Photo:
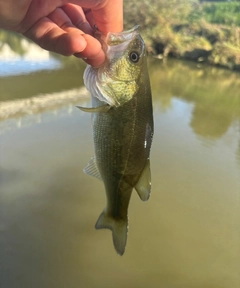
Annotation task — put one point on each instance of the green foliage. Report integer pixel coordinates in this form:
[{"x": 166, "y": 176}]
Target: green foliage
[
  {"x": 222, "y": 13},
  {"x": 13, "y": 40},
  {"x": 183, "y": 29},
  {"x": 148, "y": 13}
]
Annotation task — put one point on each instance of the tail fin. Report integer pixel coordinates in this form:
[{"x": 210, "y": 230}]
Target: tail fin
[{"x": 119, "y": 229}]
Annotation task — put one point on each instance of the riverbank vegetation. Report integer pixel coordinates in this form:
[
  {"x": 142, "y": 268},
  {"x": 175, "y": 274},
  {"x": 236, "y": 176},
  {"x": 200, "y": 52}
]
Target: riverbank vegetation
[{"x": 203, "y": 31}]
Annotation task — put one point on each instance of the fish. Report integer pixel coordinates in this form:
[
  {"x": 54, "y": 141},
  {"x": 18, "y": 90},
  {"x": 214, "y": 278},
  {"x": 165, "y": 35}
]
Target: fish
[{"x": 122, "y": 121}]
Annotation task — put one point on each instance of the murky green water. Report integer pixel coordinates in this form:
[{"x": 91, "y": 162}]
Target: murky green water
[{"x": 188, "y": 233}]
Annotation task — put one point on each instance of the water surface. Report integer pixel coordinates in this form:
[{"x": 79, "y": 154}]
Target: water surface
[{"x": 186, "y": 235}]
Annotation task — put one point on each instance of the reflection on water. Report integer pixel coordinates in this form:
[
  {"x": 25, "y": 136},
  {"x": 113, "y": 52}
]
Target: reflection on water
[
  {"x": 22, "y": 65},
  {"x": 43, "y": 114},
  {"x": 19, "y": 56},
  {"x": 40, "y": 103},
  {"x": 186, "y": 235},
  {"x": 214, "y": 93},
  {"x": 41, "y": 82}
]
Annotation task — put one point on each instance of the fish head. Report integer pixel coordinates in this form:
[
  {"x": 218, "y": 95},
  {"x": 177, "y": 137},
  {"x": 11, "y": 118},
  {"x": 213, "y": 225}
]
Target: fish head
[
  {"x": 125, "y": 55},
  {"x": 118, "y": 79}
]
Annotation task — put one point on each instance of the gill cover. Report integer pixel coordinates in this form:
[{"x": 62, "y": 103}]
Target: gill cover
[{"x": 115, "y": 82}]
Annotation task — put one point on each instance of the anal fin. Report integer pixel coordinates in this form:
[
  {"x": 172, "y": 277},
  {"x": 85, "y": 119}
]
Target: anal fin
[
  {"x": 143, "y": 187},
  {"x": 92, "y": 170}
]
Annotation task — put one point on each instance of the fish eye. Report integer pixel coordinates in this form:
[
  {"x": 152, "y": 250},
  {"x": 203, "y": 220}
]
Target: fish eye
[{"x": 134, "y": 56}]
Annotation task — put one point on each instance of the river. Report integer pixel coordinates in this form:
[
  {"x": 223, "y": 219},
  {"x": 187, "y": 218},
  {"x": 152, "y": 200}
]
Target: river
[{"x": 186, "y": 236}]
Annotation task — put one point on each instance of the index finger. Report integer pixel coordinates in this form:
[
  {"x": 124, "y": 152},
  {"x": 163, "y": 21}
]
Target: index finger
[{"x": 106, "y": 14}]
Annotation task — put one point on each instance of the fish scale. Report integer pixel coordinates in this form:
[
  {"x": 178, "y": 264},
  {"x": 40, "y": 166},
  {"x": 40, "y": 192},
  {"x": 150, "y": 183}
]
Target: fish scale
[{"x": 122, "y": 128}]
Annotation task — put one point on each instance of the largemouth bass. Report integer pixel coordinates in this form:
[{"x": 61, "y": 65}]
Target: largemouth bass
[{"x": 122, "y": 128}]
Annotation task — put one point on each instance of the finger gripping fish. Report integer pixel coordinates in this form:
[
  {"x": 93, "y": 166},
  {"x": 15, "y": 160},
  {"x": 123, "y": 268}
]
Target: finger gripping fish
[{"x": 122, "y": 128}]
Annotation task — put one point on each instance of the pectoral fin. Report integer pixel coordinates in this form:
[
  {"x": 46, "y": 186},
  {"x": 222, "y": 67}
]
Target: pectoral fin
[
  {"x": 100, "y": 109},
  {"x": 143, "y": 187},
  {"x": 92, "y": 169}
]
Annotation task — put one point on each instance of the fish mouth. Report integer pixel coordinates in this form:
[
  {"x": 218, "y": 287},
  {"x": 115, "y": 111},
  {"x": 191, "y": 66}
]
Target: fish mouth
[
  {"x": 117, "y": 43},
  {"x": 115, "y": 38}
]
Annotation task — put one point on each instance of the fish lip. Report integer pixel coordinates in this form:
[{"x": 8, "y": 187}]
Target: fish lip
[
  {"x": 115, "y": 38},
  {"x": 115, "y": 41}
]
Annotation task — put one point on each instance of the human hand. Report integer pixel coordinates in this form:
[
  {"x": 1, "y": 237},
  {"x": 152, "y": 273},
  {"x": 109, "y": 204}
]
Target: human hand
[{"x": 64, "y": 27}]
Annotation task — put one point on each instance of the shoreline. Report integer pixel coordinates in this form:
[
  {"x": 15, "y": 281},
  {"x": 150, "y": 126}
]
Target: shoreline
[{"x": 41, "y": 103}]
